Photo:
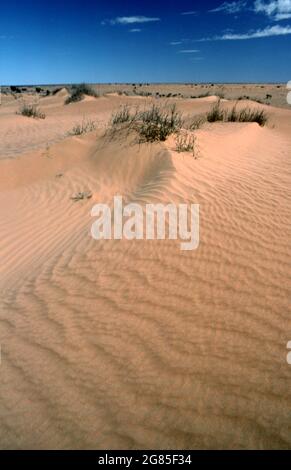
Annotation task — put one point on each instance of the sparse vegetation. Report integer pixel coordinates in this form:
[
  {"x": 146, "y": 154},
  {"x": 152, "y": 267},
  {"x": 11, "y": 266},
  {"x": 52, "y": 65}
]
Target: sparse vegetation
[
  {"x": 197, "y": 122},
  {"x": 82, "y": 195},
  {"x": 234, "y": 115},
  {"x": 186, "y": 142},
  {"x": 123, "y": 115},
  {"x": 79, "y": 91},
  {"x": 141, "y": 92},
  {"x": 247, "y": 115},
  {"x": 246, "y": 97},
  {"x": 216, "y": 113},
  {"x": 153, "y": 124},
  {"x": 31, "y": 110},
  {"x": 87, "y": 125},
  {"x": 156, "y": 124}
]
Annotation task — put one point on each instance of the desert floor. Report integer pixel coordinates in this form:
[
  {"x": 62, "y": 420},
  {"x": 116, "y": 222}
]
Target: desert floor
[{"x": 137, "y": 344}]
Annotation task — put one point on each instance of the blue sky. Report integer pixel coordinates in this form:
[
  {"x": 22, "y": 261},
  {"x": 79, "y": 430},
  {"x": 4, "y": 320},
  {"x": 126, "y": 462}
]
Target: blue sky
[{"x": 171, "y": 41}]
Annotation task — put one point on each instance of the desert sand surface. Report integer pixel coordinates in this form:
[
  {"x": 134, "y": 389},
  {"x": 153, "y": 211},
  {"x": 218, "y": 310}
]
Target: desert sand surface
[{"x": 119, "y": 344}]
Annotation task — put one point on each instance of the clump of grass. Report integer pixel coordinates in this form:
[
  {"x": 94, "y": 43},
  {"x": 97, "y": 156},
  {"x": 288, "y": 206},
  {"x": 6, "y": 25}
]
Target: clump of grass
[
  {"x": 156, "y": 124},
  {"x": 82, "y": 195},
  {"x": 186, "y": 142},
  {"x": 234, "y": 115},
  {"x": 153, "y": 124},
  {"x": 216, "y": 113},
  {"x": 79, "y": 91},
  {"x": 31, "y": 110},
  {"x": 197, "y": 123},
  {"x": 247, "y": 115},
  {"x": 87, "y": 125},
  {"x": 123, "y": 115}
]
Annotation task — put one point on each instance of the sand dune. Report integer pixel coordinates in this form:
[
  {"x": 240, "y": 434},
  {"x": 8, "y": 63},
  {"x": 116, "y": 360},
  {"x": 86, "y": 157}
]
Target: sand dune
[{"x": 136, "y": 344}]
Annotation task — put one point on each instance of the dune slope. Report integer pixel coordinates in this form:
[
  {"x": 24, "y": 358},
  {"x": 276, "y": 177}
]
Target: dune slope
[{"x": 137, "y": 344}]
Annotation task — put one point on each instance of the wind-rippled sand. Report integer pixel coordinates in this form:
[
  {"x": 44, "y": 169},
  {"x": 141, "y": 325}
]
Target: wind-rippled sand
[{"x": 136, "y": 344}]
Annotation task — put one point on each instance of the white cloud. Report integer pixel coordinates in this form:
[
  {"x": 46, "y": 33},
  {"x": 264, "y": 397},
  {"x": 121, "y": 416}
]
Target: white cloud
[
  {"x": 135, "y": 30},
  {"x": 261, "y": 33},
  {"x": 175, "y": 43},
  {"x": 230, "y": 7},
  {"x": 132, "y": 20},
  {"x": 188, "y": 51},
  {"x": 282, "y": 16},
  {"x": 189, "y": 13},
  {"x": 276, "y": 9}
]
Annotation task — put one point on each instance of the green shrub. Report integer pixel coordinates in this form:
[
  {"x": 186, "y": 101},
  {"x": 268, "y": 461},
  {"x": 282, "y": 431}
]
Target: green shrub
[
  {"x": 234, "y": 115},
  {"x": 15, "y": 89},
  {"x": 216, "y": 113},
  {"x": 156, "y": 124},
  {"x": 248, "y": 115},
  {"x": 153, "y": 124},
  {"x": 78, "y": 92}
]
